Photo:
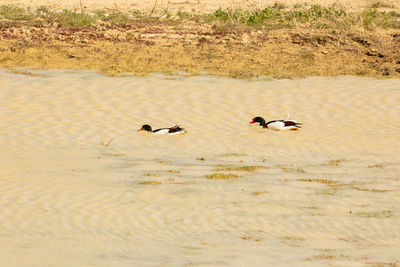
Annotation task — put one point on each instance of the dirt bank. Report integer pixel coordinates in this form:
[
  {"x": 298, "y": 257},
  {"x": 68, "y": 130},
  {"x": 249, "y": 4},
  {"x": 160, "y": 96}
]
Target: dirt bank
[{"x": 221, "y": 43}]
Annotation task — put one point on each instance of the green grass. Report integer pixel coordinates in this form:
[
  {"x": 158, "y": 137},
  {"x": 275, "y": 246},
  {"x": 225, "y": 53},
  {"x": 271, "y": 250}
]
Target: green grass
[{"x": 276, "y": 16}]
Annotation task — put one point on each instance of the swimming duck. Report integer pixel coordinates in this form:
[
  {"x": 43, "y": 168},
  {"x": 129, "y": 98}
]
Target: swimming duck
[
  {"x": 163, "y": 131},
  {"x": 277, "y": 125}
]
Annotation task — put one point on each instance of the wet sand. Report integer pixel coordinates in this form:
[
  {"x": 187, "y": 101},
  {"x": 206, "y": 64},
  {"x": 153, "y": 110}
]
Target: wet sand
[{"x": 80, "y": 186}]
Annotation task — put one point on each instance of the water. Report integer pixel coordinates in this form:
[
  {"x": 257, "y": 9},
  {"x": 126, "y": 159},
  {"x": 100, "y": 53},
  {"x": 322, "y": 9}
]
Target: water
[{"x": 80, "y": 186}]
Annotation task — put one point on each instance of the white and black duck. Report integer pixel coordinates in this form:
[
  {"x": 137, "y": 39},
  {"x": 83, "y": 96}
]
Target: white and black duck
[
  {"x": 164, "y": 131},
  {"x": 277, "y": 125}
]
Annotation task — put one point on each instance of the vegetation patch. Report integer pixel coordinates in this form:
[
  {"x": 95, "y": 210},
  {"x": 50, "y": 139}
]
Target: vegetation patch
[
  {"x": 150, "y": 182},
  {"x": 220, "y": 176},
  {"x": 259, "y": 193},
  {"x": 371, "y": 189},
  {"x": 375, "y": 214},
  {"x": 292, "y": 169},
  {"x": 276, "y": 16},
  {"x": 239, "y": 168},
  {"x": 335, "y": 162},
  {"x": 233, "y": 155},
  {"x": 151, "y": 174},
  {"x": 174, "y": 171},
  {"x": 321, "y": 181},
  {"x": 379, "y": 165},
  {"x": 315, "y": 16},
  {"x": 335, "y": 184}
]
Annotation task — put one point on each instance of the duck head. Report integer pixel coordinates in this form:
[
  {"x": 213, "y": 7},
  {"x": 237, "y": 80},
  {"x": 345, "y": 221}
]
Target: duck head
[
  {"x": 146, "y": 128},
  {"x": 259, "y": 120}
]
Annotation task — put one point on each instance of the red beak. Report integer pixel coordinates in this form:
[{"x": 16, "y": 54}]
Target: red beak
[
  {"x": 139, "y": 130},
  {"x": 252, "y": 122}
]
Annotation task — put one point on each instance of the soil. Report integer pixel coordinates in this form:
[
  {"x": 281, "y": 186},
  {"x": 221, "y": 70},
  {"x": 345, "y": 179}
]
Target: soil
[{"x": 243, "y": 52}]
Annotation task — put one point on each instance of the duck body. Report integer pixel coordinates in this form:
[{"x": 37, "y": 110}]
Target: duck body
[
  {"x": 277, "y": 125},
  {"x": 174, "y": 130}
]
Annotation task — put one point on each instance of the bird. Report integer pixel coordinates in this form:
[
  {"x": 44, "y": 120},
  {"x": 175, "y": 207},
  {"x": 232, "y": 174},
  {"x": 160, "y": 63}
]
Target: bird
[
  {"x": 277, "y": 125},
  {"x": 174, "y": 130}
]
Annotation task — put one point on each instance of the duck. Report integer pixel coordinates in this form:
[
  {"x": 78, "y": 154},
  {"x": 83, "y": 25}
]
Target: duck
[
  {"x": 277, "y": 125},
  {"x": 174, "y": 130}
]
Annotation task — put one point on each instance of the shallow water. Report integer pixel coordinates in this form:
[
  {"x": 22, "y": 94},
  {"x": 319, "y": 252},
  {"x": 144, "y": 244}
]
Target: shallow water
[{"x": 80, "y": 186}]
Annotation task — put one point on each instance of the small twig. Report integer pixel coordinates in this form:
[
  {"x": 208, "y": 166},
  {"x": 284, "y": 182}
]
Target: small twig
[
  {"x": 80, "y": 2},
  {"x": 109, "y": 142},
  {"x": 165, "y": 10},
  {"x": 106, "y": 144},
  {"x": 154, "y": 7}
]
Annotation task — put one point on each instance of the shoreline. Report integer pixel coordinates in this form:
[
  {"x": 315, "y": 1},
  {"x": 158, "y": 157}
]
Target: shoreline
[{"x": 222, "y": 46}]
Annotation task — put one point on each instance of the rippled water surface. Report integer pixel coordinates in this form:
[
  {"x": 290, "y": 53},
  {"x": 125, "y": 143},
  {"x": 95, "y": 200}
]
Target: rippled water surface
[{"x": 80, "y": 186}]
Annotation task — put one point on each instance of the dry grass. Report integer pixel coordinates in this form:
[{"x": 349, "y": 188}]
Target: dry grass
[{"x": 228, "y": 20}]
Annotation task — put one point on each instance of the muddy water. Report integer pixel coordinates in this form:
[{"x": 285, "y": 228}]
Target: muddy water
[{"x": 80, "y": 186}]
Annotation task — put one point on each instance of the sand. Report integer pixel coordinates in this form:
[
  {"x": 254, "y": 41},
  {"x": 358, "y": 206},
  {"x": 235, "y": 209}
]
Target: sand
[{"x": 79, "y": 186}]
